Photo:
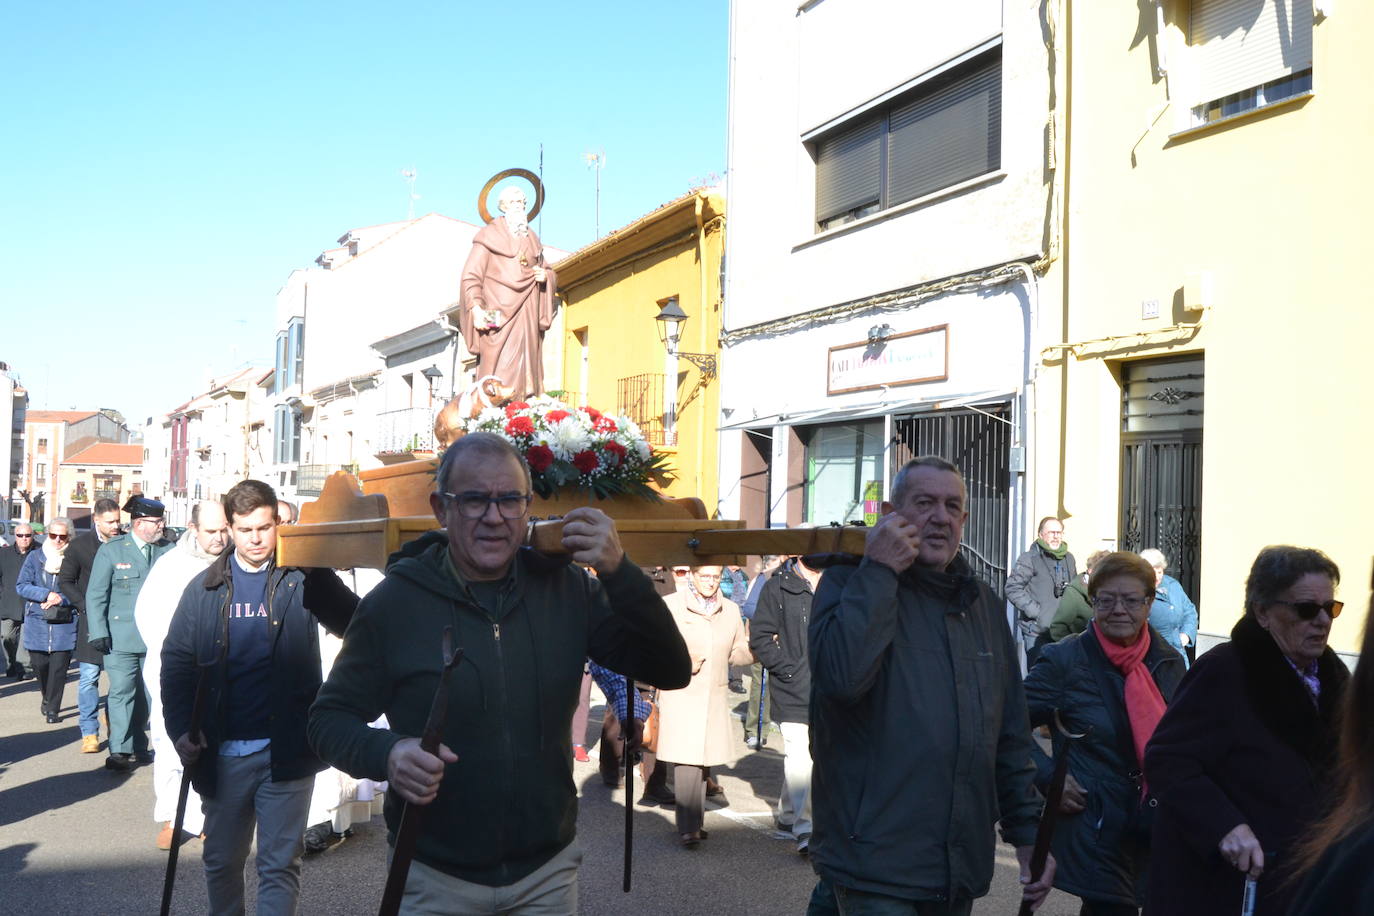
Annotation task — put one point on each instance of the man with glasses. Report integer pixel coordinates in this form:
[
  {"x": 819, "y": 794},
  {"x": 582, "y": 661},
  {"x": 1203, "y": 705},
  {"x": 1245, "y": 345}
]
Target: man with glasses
[
  {"x": 73, "y": 579},
  {"x": 121, "y": 566},
  {"x": 498, "y": 832},
  {"x": 12, "y": 559}
]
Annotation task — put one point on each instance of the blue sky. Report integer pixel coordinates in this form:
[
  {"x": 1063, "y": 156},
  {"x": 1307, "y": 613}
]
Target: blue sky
[{"x": 166, "y": 165}]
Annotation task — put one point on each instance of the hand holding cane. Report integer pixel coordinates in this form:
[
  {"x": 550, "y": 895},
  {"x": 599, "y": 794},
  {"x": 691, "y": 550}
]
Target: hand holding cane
[
  {"x": 627, "y": 732},
  {"x": 410, "y": 814},
  {"x": 1040, "y": 853},
  {"x": 197, "y": 715}
]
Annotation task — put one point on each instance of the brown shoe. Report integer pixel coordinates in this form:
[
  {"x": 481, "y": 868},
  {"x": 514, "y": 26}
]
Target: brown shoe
[
  {"x": 90, "y": 744},
  {"x": 164, "y": 837}
]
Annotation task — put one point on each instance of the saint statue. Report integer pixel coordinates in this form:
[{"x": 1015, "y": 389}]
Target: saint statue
[{"x": 507, "y": 300}]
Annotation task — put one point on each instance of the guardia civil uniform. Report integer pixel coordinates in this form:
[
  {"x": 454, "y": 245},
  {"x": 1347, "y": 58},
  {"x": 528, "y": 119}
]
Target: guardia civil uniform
[{"x": 120, "y": 568}]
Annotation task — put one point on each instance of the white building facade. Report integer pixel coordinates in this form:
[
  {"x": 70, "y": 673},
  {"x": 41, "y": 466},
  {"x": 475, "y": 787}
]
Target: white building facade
[{"x": 890, "y": 220}]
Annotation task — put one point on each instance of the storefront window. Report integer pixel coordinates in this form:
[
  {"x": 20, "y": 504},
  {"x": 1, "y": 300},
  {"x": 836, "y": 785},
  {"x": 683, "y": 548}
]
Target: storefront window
[{"x": 840, "y": 460}]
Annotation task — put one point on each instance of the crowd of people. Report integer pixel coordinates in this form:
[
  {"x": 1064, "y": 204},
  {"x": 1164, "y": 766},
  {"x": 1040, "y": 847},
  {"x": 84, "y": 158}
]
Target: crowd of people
[{"x": 915, "y": 712}]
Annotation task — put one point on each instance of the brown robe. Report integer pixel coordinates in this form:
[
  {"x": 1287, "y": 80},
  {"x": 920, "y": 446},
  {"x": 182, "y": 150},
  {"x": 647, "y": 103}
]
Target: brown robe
[{"x": 494, "y": 279}]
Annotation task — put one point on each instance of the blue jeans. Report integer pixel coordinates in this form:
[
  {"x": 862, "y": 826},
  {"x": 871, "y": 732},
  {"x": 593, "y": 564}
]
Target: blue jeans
[
  {"x": 88, "y": 699},
  {"x": 829, "y": 899}
]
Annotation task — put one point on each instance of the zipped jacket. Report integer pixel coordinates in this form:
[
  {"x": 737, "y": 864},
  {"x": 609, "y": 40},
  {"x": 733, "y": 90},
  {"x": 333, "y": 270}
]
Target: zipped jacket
[
  {"x": 509, "y": 804},
  {"x": 34, "y": 585},
  {"x": 1103, "y": 851},
  {"x": 198, "y": 639},
  {"x": 919, "y": 738},
  {"x": 777, "y": 636}
]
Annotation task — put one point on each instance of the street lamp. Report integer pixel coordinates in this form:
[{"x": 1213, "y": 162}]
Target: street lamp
[
  {"x": 432, "y": 374},
  {"x": 670, "y": 317}
]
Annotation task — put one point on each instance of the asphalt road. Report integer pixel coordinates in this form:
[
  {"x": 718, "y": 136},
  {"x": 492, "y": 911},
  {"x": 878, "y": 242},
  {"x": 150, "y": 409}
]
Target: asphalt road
[{"x": 78, "y": 839}]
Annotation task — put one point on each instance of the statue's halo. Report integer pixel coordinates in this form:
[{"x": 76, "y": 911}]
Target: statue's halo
[{"x": 511, "y": 173}]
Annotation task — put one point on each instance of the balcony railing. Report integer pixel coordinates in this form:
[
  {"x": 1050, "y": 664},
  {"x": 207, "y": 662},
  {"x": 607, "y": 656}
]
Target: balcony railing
[
  {"x": 310, "y": 478},
  {"x": 640, "y": 397},
  {"x": 405, "y": 431}
]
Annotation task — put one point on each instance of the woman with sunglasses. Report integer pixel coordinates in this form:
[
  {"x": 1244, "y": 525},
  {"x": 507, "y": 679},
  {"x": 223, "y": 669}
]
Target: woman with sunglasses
[
  {"x": 1242, "y": 762},
  {"x": 49, "y": 618}
]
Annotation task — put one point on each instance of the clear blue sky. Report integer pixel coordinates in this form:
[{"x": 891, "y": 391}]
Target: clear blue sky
[{"x": 166, "y": 165}]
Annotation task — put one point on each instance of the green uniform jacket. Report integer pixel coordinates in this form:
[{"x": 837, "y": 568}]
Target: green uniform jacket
[
  {"x": 1073, "y": 613},
  {"x": 509, "y": 804},
  {"x": 117, "y": 574}
]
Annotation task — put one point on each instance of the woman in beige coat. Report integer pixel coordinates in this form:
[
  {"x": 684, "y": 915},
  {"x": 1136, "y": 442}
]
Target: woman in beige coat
[{"x": 694, "y": 723}]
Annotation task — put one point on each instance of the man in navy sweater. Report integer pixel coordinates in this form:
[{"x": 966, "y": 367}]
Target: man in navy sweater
[{"x": 249, "y": 627}]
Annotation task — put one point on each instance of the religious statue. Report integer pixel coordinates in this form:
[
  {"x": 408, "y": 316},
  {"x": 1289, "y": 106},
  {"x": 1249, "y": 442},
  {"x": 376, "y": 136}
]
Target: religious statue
[{"x": 507, "y": 300}]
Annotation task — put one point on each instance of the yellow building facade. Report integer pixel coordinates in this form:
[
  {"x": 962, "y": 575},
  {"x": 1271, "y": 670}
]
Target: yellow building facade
[
  {"x": 614, "y": 359},
  {"x": 1206, "y": 392}
]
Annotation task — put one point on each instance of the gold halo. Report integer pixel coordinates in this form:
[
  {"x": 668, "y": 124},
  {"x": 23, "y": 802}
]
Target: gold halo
[{"x": 511, "y": 173}]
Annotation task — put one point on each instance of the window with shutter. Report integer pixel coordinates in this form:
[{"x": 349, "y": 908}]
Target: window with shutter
[
  {"x": 943, "y": 131},
  {"x": 1248, "y": 53}
]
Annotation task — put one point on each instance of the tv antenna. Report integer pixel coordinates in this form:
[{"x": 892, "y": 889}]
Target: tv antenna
[
  {"x": 596, "y": 162},
  {"x": 409, "y": 175}
]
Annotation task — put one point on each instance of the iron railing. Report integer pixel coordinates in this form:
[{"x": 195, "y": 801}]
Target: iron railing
[
  {"x": 640, "y": 397},
  {"x": 310, "y": 478},
  {"x": 410, "y": 429}
]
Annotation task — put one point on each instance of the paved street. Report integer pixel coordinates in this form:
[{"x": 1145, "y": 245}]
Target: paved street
[{"x": 75, "y": 838}]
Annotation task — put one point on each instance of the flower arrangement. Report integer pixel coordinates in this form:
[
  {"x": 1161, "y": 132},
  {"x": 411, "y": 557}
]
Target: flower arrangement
[{"x": 577, "y": 447}]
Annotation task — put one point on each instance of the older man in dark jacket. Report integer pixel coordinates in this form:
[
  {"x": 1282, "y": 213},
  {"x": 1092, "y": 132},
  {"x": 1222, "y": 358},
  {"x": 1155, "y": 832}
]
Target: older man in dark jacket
[
  {"x": 918, "y": 722},
  {"x": 777, "y": 636},
  {"x": 248, "y": 628}
]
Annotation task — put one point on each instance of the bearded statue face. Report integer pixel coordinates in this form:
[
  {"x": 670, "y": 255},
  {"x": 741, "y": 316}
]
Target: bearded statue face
[{"x": 512, "y": 206}]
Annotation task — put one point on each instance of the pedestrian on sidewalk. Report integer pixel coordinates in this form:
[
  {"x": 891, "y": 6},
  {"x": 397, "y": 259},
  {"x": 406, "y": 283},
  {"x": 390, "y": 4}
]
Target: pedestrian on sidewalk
[
  {"x": 753, "y": 738},
  {"x": 1041, "y": 576},
  {"x": 254, "y": 622},
  {"x": 12, "y": 605},
  {"x": 73, "y": 579},
  {"x": 49, "y": 618},
  {"x": 205, "y": 539},
  {"x": 614, "y": 728},
  {"x": 695, "y": 726},
  {"x": 778, "y": 639},
  {"x": 121, "y": 567}
]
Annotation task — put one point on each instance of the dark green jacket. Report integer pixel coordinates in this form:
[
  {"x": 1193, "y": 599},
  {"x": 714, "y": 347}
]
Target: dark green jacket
[
  {"x": 1102, "y": 852},
  {"x": 509, "y": 804},
  {"x": 1074, "y": 611},
  {"x": 919, "y": 738},
  {"x": 117, "y": 576}
]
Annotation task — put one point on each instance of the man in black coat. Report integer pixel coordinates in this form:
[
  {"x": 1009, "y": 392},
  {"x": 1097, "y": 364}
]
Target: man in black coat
[
  {"x": 11, "y": 605},
  {"x": 777, "y": 636},
  {"x": 72, "y": 579}
]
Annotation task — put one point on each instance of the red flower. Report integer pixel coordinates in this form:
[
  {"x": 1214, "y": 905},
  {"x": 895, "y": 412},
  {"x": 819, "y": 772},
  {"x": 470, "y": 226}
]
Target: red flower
[
  {"x": 604, "y": 424},
  {"x": 514, "y": 406},
  {"x": 586, "y": 462},
  {"x": 553, "y": 416},
  {"x": 616, "y": 449},
  {"x": 591, "y": 412},
  {"x": 520, "y": 426},
  {"x": 539, "y": 458}
]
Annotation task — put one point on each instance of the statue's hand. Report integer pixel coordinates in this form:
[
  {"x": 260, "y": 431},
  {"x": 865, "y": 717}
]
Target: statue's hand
[{"x": 539, "y": 274}]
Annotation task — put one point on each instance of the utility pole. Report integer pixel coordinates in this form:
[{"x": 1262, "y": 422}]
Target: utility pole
[
  {"x": 596, "y": 162},
  {"x": 409, "y": 175}
]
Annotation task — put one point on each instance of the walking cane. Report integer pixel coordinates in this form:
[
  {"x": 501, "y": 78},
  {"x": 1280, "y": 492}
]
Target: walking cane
[
  {"x": 197, "y": 714},
  {"x": 1247, "y": 900},
  {"x": 763, "y": 699},
  {"x": 1041, "y": 851},
  {"x": 629, "y": 777},
  {"x": 410, "y": 814}
]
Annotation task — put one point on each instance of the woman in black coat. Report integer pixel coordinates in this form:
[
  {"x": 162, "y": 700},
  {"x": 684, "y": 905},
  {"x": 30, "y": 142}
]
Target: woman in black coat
[
  {"x": 1241, "y": 762},
  {"x": 1101, "y": 843}
]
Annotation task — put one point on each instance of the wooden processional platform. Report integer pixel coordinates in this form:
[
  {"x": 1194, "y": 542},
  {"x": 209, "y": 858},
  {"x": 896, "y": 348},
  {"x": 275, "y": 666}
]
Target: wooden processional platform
[{"x": 359, "y": 522}]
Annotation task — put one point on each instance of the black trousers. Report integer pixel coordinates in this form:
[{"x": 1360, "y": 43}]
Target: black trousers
[{"x": 50, "y": 669}]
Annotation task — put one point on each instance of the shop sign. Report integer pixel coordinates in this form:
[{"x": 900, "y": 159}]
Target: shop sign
[
  {"x": 873, "y": 502},
  {"x": 902, "y": 359}
]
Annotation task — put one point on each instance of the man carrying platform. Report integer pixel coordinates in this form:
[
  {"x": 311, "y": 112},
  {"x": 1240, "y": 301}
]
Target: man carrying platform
[{"x": 499, "y": 832}]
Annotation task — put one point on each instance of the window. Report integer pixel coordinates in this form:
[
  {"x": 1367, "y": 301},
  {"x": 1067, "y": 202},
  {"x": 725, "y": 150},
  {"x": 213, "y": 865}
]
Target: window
[
  {"x": 295, "y": 352},
  {"x": 286, "y": 445},
  {"x": 946, "y": 130},
  {"x": 42, "y": 445},
  {"x": 1248, "y": 54},
  {"x": 279, "y": 376},
  {"x": 840, "y": 460}
]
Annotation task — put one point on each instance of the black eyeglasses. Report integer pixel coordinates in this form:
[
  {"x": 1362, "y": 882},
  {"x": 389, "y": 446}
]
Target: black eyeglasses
[
  {"x": 474, "y": 505},
  {"x": 1129, "y": 602},
  {"x": 18, "y": 535},
  {"x": 58, "y": 537},
  {"x": 1308, "y": 610}
]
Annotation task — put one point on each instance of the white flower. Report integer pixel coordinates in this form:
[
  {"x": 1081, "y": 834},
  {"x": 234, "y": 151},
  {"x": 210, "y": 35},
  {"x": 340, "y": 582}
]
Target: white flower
[{"x": 567, "y": 437}]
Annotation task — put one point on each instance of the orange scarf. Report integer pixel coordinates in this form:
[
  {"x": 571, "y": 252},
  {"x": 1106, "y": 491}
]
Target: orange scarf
[{"x": 1144, "y": 704}]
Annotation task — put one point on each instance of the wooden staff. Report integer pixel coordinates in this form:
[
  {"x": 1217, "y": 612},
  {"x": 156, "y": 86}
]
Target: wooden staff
[
  {"x": 1045, "y": 832},
  {"x": 626, "y": 732},
  {"x": 409, "y": 828},
  {"x": 197, "y": 714}
]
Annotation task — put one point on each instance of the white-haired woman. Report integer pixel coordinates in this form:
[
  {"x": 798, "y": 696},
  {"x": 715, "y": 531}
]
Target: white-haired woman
[
  {"x": 49, "y": 618},
  {"x": 1172, "y": 615}
]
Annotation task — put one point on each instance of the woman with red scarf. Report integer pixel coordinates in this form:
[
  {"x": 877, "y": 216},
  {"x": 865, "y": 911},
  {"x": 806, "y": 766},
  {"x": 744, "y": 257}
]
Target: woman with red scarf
[{"x": 1112, "y": 682}]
